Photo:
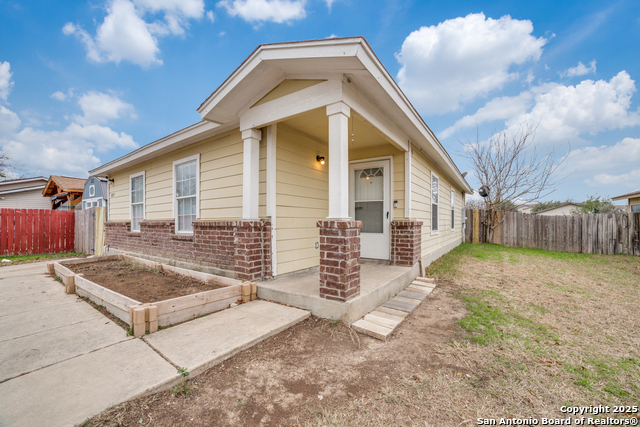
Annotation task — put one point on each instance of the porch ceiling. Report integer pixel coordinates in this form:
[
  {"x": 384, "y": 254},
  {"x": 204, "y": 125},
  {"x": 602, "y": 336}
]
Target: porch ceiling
[{"x": 316, "y": 125}]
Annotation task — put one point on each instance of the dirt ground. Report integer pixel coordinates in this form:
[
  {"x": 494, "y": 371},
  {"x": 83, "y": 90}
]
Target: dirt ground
[
  {"x": 505, "y": 334},
  {"x": 140, "y": 282}
]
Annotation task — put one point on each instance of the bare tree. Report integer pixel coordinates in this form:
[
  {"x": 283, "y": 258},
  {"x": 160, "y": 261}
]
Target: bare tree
[{"x": 514, "y": 170}]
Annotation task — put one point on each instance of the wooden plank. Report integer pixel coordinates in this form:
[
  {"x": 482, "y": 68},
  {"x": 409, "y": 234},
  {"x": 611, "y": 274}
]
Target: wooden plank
[
  {"x": 17, "y": 232},
  {"x": 107, "y": 295},
  {"x": 190, "y": 313},
  {"x": 45, "y": 225},
  {"x": 392, "y": 311},
  {"x": 476, "y": 226},
  {"x": 71, "y": 261},
  {"x": 382, "y": 321},
  {"x": 198, "y": 275},
  {"x": 201, "y": 298},
  {"x": 29, "y": 232},
  {"x": 371, "y": 329},
  {"x": 412, "y": 295},
  {"x": 4, "y": 233},
  {"x": 389, "y": 316},
  {"x": 99, "y": 230},
  {"x": 119, "y": 313},
  {"x": 397, "y": 304}
]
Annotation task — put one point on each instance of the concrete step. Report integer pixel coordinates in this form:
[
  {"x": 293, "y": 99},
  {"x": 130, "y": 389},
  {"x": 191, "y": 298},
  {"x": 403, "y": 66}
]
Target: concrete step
[{"x": 385, "y": 319}]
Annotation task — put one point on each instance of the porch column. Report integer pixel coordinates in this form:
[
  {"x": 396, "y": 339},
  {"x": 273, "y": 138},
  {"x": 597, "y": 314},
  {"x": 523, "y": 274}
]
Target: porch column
[
  {"x": 250, "y": 173},
  {"x": 338, "y": 160}
]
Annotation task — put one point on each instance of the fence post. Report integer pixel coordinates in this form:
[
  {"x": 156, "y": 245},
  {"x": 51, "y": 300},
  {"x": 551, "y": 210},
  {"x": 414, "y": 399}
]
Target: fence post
[{"x": 476, "y": 226}]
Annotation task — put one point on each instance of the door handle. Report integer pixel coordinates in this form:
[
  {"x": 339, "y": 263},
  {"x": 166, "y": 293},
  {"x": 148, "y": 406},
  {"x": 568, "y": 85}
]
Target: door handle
[{"x": 387, "y": 214}]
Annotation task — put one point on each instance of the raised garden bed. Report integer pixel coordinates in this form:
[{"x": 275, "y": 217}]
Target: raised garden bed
[{"x": 146, "y": 294}]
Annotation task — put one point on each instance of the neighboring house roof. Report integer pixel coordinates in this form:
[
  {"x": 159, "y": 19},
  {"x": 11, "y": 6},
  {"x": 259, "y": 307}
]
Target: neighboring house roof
[
  {"x": 64, "y": 183},
  {"x": 356, "y": 77},
  {"x": 26, "y": 181},
  {"x": 560, "y": 206},
  {"x": 627, "y": 196}
]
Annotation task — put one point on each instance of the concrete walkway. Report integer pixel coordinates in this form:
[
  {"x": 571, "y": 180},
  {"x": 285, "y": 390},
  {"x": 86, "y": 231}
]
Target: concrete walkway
[{"x": 62, "y": 362}]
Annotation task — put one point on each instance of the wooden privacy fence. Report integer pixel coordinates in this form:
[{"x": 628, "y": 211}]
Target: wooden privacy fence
[
  {"x": 608, "y": 234},
  {"x": 35, "y": 231},
  {"x": 89, "y": 226}
]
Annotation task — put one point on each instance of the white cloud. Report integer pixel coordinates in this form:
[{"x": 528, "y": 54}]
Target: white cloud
[
  {"x": 100, "y": 107},
  {"x": 447, "y": 65},
  {"x": 62, "y": 96},
  {"x": 265, "y": 10},
  {"x": 562, "y": 113},
  {"x": 626, "y": 180},
  {"x": 502, "y": 108},
  {"x": 5, "y": 80},
  {"x": 329, "y": 4},
  {"x": 211, "y": 16},
  {"x": 580, "y": 70},
  {"x": 607, "y": 165},
  {"x": 125, "y": 35},
  {"x": 71, "y": 150}
]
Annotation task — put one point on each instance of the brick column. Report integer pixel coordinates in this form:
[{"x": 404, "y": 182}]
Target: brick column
[
  {"x": 253, "y": 249},
  {"x": 339, "y": 259},
  {"x": 406, "y": 242}
]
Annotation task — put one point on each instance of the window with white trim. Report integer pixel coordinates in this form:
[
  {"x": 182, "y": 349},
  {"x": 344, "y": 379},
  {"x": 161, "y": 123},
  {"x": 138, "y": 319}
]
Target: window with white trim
[
  {"x": 453, "y": 209},
  {"x": 186, "y": 178},
  {"x": 435, "y": 189},
  {"x": 136, "y": 192},
  {"x": 92, "y": 190}
]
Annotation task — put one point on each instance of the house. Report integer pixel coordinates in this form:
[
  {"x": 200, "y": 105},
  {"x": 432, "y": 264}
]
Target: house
[
  {"x": 96, "y": 192},
  {"x": 23, "y": 193},
  {"x": 633, "y": 203},
  {"x": 525, "y": 208},
  {"x": 64, "y": 192},
  {"x": 308, "y": 158},
  {"x": 564, "y": 209}
]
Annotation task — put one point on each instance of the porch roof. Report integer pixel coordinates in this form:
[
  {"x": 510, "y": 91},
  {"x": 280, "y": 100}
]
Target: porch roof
[{"x": 348, "y": 66}]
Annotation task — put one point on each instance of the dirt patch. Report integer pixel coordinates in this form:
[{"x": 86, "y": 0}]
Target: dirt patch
[{"x": 139, "y": 282}]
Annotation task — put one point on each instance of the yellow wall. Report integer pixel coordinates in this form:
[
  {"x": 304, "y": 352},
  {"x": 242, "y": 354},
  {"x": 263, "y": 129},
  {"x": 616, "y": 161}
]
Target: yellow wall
[
  {"x": 220, "y": 181},
  {"x": 633, "y": 201},
  {"x": 421, "y": 168},
  {"x": 398, "y": 171},
  {"x": 302, "y": 194}
]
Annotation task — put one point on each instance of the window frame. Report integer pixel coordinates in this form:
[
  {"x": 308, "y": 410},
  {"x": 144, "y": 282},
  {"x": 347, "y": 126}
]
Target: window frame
[
  {"x": 92, "y": 190},
  {"x": 195, "y": 157},
  {"x": 144, "y": 198},
  {"x": 437, "y": 230},
  {"x": 453, "y": 209}
]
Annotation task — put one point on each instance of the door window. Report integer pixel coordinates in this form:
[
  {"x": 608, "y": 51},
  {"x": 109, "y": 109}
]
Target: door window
[{"x": 369, "y": 199}]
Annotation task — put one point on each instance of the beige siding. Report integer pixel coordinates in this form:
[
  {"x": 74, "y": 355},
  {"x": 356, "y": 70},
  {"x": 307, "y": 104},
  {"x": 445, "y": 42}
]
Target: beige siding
[
  {"x": 398, "y": 171},
  {"x": 31, "y": 199},
  {"x": 302, "y": 192},
  {"x": 220, "y": 181},
  {"x": 421, "y": 168},
  {"x": 632, "y": 202}
]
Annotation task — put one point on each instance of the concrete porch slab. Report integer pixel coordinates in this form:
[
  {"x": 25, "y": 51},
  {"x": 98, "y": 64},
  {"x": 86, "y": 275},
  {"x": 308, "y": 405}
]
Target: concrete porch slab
[
  {"x": 378, "y": 283},
  {"x": 202, "y": 343}
]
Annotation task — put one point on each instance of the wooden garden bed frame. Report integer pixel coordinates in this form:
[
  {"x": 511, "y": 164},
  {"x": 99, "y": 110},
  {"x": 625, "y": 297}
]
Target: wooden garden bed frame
[{"x": 147, "y": 317}]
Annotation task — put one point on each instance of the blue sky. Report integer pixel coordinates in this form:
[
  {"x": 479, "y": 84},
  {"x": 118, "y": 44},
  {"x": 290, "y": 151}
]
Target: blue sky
[{"x": 84, "y": 82}]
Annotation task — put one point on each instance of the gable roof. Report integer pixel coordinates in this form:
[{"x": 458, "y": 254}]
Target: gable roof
[
  {"x": 66, "y": 184},
  {"x": 30, "y": 181},
  {"x": 560, "y": 206},
  {"x": 349, "y": 59},
  {"x": 627, "y": 196}
]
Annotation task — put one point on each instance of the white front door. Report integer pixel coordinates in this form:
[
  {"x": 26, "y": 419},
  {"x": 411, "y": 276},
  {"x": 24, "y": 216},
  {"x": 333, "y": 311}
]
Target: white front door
[{"x": 369, "y": 202}]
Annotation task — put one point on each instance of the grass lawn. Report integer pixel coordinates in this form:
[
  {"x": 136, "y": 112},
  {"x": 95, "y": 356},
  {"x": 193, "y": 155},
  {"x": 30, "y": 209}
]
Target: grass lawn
[
  {"x": 507, "y": 333},
  {"x": 18, "y": 259}
]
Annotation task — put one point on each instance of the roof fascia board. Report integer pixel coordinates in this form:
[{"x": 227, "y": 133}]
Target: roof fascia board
[
  {"x": 265, "y": 88},
  {"x": 292, "y": 105},
  {"x": 19, "y": 181},
  {"x": 627, "y": 196},
  {"x": 369, "y": 110},
  {"x": 377, "y": 70},
  {"x": 312, "y": 49},
  {"x": 185, "y": 136},
  {"x": 18, "y": 190}
]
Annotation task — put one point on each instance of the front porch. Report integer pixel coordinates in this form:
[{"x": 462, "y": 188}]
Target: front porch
[{"x": 378, "y": 283}]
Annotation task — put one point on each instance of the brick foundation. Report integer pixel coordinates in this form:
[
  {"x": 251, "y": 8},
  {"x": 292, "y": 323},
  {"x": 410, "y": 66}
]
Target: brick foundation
[
  {"x": 339, "y": 259},
  {"x": 406, "y": 242},
  {"x": 242, "y": 248}
]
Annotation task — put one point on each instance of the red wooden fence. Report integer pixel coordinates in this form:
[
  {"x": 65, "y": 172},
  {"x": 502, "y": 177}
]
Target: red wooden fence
[{"x": 36, "y": 231}]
